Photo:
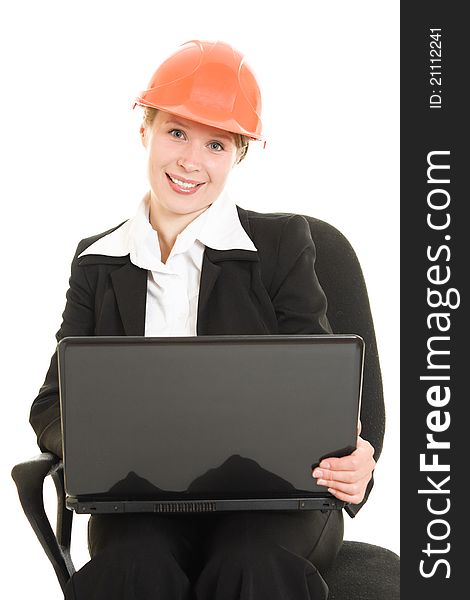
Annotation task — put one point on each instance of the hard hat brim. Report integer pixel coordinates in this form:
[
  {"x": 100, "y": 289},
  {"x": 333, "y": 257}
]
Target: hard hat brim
[{"x": 193, "y": 113}]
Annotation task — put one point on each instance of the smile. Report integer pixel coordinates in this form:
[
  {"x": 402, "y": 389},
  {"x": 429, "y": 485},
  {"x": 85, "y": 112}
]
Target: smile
[
  {"x": 183, "y": 187},
  {"x": 183, "y": 183}
]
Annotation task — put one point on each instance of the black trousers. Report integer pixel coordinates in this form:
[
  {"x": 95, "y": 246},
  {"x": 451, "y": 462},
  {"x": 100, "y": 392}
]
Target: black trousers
[{"x": 232, "y": 556}]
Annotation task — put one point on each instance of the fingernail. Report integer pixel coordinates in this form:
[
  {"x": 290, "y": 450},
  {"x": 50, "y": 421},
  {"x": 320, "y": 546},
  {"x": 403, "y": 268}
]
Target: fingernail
[
  {"x": 318, "y": 473},
  {"x": 321, "y": 482},
  {"x": 325, "y": 465}
]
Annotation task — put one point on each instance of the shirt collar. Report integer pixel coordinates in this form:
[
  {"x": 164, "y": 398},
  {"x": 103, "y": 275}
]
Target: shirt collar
[{"x": 218, "y": 227}]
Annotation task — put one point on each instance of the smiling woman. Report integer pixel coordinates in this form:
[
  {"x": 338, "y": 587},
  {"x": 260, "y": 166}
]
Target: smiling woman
[
  {"x": 191, "y": 262},
  {"x": 188, "y": 166}
]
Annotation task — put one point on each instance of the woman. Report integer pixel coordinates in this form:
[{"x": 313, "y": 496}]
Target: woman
[{"x": 192, "y": 263}]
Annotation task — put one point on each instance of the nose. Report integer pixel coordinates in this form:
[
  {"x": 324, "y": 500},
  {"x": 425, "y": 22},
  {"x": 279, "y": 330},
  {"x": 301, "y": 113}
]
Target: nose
[{"x": 190, "y": 158}]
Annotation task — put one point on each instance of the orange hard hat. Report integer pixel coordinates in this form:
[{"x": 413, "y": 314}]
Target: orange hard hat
[{"x": 210, "y": 83}]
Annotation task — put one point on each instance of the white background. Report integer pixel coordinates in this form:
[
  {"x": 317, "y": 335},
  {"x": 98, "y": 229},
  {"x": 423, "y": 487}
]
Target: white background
[{"x": 73, "y": 166}]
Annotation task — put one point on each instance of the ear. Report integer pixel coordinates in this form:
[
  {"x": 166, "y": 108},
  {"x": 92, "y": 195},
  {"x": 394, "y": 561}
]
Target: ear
[{"x": 143, "y": 135}]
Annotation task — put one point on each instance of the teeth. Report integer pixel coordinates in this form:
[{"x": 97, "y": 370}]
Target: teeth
[{"x": 183, "y": 184}]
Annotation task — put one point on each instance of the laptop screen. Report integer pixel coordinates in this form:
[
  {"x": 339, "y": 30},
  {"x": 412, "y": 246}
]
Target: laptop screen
[{"x": 197, "y": 416}]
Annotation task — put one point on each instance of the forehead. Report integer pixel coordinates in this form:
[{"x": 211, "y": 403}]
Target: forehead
[{"x": 164, "y": 118}]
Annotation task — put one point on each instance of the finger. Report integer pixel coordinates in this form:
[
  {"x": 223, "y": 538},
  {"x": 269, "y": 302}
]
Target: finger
[
  {"x": 352, "y": 499},
  {"x": 347, "y": 476},
  {"x": 349, "y": 492},
  {"x": 363, "y": 469},
  {"x": 359, "y": 462},
  {"x": 352, "y": 489},
  {"x": 339, "y": 476}
]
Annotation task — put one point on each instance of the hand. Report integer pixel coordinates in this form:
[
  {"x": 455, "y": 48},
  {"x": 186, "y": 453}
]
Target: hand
[{"x": 347, "y": 477}]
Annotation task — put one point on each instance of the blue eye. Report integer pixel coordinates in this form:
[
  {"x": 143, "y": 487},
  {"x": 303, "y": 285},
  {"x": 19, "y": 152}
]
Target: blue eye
[
  {"x": 216, "y": 146},
  {"x": 177, "y": 133}
]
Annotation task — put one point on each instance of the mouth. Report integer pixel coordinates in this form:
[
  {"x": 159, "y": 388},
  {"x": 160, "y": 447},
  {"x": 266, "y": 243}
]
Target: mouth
[{"x": 183, "y": 186}]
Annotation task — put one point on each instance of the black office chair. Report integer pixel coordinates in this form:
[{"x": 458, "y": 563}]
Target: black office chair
[{"x": 361, "y": 571}]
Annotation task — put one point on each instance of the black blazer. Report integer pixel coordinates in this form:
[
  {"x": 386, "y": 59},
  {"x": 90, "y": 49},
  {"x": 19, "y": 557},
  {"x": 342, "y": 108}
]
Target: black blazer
[{"x": 272, "y": 291}]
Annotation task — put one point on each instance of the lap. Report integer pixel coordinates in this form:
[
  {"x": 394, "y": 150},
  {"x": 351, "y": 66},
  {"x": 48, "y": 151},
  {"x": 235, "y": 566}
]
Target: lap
[
  {"x": 147, "y": 555},
  {"x": 313, "y": 535},
  {"x": 106, "y": 531},
  {"x": 180, "y": 536}
]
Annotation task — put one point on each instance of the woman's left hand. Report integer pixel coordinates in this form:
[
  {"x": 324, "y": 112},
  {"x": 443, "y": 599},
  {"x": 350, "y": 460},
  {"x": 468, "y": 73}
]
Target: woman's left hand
[{"x": 347, "y": 477}]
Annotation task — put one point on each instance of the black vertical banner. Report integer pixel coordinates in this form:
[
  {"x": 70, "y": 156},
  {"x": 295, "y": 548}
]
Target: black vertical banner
[{"x": 435, "y": 331}]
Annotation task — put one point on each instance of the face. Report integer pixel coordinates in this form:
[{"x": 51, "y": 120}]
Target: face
[{"x": 188, "y": 163}]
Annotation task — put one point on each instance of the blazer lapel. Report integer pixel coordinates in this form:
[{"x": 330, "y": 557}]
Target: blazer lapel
[
  {"x": 130, "y": 288},
  {"x": 209, "y": 275},
  {"x": 212, "y": 265}
]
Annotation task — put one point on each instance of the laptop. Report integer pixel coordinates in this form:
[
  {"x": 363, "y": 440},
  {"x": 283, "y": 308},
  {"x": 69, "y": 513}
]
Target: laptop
[{"x": 206, "y": 423}]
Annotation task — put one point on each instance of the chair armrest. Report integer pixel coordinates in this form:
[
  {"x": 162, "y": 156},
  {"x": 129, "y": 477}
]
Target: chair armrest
[{"x": 29, "y": 478}]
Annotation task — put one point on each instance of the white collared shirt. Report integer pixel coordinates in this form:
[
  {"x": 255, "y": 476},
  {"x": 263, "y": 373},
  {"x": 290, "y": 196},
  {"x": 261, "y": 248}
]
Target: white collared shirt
[{"x": 173, "y": 287}]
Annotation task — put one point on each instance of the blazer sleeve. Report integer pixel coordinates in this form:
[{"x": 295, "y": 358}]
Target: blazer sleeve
[
  {"x": 77, "y": 319},
  {"x": 298, "y": 299}
]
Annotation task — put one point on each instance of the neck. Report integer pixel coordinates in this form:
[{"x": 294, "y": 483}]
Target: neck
[{"x": 168, "y": 224}]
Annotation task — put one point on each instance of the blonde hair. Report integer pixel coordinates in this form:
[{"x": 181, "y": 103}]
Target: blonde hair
[{"x": 241, "y": 141}]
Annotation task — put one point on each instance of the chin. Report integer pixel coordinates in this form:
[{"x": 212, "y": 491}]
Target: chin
[
  {"x": 187, "y": 205},
  {"x": 186, "y": 210}
]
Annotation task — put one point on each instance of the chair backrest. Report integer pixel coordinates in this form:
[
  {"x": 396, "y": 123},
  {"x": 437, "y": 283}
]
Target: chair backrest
[{"x": 340, "y": 276}]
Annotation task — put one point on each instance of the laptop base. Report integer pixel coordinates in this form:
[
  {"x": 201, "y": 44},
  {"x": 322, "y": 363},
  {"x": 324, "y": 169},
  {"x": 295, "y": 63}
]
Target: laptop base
[{"x": 202, "y": 506}]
